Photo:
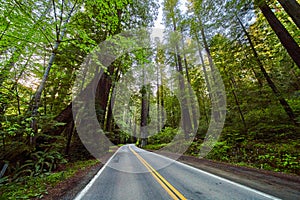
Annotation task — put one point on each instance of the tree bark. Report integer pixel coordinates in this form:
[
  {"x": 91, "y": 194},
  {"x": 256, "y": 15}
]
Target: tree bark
[
  {"x": 69, "y": 133},
  {"x": 284, "y": 36},
  {"x": 194, "y": 115},
  {"x": 215, "y": 96},
  {"x": 144, "y": 116},
  {"x": 186, "y": 120},
  {"x": 292, "y": 8},
  {"x": 162, "y": 104},
  {"x": 158, "y": 98},
  {"x": 108, "y": 116},
  {"x": 66, "y": 115},
  {"x": 204, "y": 68}
]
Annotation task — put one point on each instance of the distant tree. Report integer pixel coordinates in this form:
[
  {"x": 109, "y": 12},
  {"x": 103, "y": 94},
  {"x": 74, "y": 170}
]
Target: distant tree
[{"x": 172, "y": 16}]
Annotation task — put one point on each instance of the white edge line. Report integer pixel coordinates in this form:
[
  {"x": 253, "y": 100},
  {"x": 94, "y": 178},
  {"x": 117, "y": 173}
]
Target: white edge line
[
  {"x": 89, "y": 185},
  {"x": 218, "y": 177}
]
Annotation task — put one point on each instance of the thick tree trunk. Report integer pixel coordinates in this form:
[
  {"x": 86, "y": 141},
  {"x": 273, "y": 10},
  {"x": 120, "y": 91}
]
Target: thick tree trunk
[
  {"x": 276, "y": 92},
  {"x": 134, "y": 129},
  {"x": 102, "y": 96},
  {"x": 108, "y": 124},
  {"x": 66, "y": 115},
  {"x": 144, "y": 116},
  {"x": 108, "y": 115},
  {"x": 285, "y": 38},
  {"x": 69, "y": 133},
  {"x": 292, "y": 8}
]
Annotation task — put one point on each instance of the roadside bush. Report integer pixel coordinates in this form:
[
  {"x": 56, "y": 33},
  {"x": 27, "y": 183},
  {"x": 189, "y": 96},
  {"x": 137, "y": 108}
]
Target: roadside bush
[
  {"x": 40, "y": 162},
  {"x": 165, "y": 136}
]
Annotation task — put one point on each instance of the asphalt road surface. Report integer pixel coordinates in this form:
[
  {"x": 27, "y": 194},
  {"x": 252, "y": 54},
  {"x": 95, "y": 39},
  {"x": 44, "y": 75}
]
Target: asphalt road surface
[{"x": 133, "y": 173}]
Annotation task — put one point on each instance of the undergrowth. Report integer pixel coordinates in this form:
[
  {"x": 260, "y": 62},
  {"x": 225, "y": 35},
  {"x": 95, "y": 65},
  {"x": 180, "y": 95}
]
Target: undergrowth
[{"x": 36, "y": 186}]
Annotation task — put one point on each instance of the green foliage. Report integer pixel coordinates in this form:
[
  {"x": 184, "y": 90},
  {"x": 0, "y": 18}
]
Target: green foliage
[
  {"x": 154, "y": 146},
  {"x": 163, "y": 137},
  {"x": 41, "y": 162},
  {"x": 35, "y": 187},
  {"x": 194, "y": 148},
  {"x": 220, "y": 151},
  {"x": 278, "y": 153}
]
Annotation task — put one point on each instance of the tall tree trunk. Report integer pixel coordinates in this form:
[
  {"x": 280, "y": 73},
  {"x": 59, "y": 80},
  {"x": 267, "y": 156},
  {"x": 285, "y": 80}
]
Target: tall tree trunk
[
  {"x": 194, "y": 115},
  {"x": 215, "y": 98},
  {"x": 276, "y": 92},
  {"x": 204, "y": 108},
  {"x": 37, "y": 96},
  {"x": 186, "y": 120},
  {"x": 69, "y": 132},
  {"x": 207, "y": 82},
  {"x": 109, "y": 121},
  {"x": 162, "y": 105},
  {"x": 158, "y": 98},
  {"x": 233, "y": 87},
  {"x": 292, "y": 8},
  {"x": 160, "y": 89},
  {"x": 144, "y": 114},
  {"x": 284, "y": 36},
  {"x": 102, "y": 98},
  {"x": 203, "y": 67}
]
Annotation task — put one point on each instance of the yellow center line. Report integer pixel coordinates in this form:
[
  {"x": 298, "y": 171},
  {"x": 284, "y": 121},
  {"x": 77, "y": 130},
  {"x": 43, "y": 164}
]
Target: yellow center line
[{"x": 173, "y": 192}]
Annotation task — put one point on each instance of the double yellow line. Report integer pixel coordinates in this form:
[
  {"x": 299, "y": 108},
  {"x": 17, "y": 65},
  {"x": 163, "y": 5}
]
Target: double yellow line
[{"x": 173, "y": 192}]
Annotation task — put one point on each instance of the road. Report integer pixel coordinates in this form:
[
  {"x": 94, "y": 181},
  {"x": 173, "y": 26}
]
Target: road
[{"x": 133, "y": 173}]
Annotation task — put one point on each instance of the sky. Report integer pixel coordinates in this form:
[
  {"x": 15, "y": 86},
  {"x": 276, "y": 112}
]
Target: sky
[
  {"x": 158, "y": 22},
  {"x": 158, "y": 30}
]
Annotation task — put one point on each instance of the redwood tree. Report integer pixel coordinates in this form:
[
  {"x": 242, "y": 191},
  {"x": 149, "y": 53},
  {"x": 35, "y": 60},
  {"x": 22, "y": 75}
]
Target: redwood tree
[
  {"x": 284, "y": 36},
  {"x": 292, "y": 8}
]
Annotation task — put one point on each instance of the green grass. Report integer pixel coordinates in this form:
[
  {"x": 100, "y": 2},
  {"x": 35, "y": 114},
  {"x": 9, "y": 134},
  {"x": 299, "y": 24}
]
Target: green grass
[{"x": 31, "y": 187}]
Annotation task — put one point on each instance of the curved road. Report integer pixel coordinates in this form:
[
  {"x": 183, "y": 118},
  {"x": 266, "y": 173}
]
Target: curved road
[{"x": 133, "y": 173}]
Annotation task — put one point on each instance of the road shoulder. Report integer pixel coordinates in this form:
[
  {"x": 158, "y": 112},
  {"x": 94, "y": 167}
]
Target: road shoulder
[{"x": 281, "y": 185}]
